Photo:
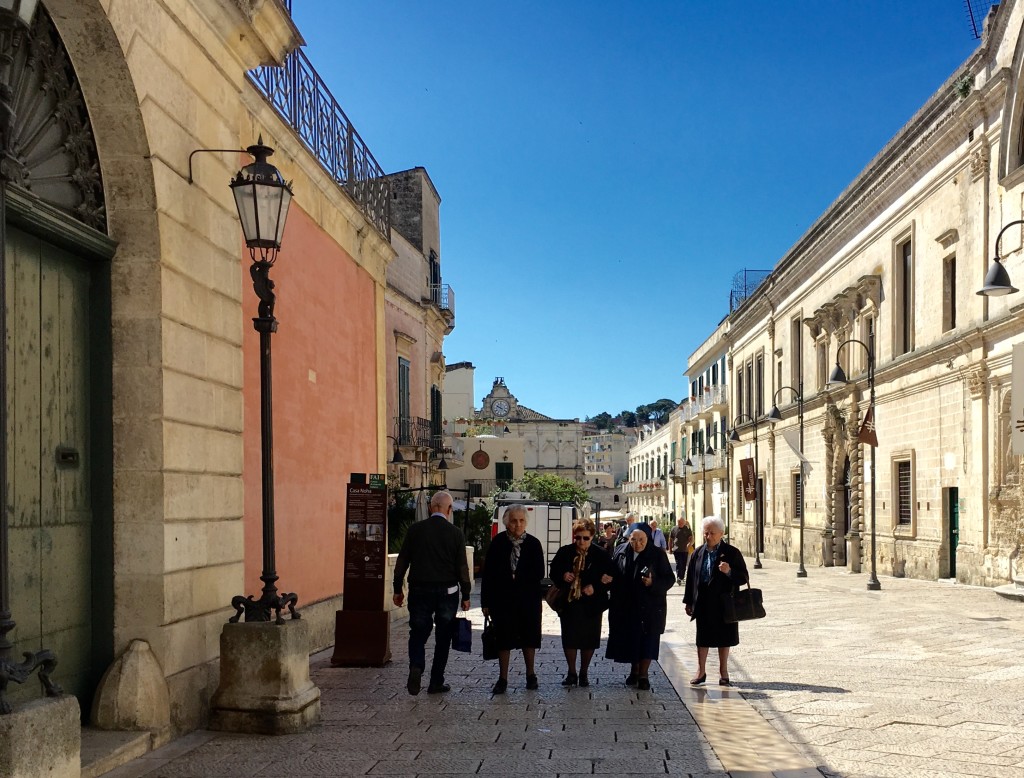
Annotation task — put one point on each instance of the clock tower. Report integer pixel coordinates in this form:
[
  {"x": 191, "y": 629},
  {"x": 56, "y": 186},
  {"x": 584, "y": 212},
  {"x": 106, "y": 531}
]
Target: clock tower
[{"x": 500, "y": 402}]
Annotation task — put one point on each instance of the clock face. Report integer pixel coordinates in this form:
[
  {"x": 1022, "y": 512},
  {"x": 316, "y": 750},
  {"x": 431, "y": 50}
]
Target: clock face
[{"x": 500, "y": 407}]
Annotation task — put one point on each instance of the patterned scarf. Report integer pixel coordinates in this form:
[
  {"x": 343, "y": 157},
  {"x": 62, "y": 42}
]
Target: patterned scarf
[
  {"x": 517, "y": 548},
  {"x": 576, "y": 592}
]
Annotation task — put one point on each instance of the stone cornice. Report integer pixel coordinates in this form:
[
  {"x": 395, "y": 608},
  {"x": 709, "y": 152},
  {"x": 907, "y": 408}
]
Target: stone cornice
[{"x": 268, "y": 33}]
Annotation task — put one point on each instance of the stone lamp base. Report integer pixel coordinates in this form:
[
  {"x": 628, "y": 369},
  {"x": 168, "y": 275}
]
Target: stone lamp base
[{"x": 265, "y": 687}]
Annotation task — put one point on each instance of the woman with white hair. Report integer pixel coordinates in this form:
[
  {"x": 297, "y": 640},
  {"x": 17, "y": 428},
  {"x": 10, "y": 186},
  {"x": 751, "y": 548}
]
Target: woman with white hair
[
  {"x": 716, "y": 569},
  {"x": 510, "y": 593}
]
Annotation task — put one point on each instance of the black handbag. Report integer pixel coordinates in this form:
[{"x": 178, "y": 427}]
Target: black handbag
[
  {"x": 462, "y": 635},
  {"x": 489, "y": 640},
  {"x": 742, "y": 605}
]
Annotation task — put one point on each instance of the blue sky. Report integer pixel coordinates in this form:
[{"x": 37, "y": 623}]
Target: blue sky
[{"x": 606, "y": 168}]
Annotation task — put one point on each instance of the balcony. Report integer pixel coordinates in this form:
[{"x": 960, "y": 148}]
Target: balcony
[
  {"x": 713, "y": 399},
  {"x": 413, "y": 431},
  {"x": 689, "y": 410},
  {"x": 453, "y": 450},
  {"x": 301, "y": 98},
  {"x": 443, "y": 296}
]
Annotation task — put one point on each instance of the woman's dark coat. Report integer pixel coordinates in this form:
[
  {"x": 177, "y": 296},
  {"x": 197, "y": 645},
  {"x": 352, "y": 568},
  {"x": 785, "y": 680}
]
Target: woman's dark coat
[
  {"x": 514, "y": 604},
  {"x": 598, "y": 563},
  {"x": 720, "y": 582},
  {"x": 634, "y": 606}
]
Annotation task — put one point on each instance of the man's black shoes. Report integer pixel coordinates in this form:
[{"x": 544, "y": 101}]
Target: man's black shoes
[
  {"x": 413, "y": 684},
  {"x": 438, "y": 688}
]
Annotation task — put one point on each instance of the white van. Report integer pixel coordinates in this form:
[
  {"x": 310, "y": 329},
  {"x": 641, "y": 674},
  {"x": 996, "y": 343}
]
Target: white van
[{"x": 550, "y": 522}]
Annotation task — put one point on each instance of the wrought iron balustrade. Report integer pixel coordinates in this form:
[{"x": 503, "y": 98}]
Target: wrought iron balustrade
[
  {"x": 302, "y": 99},
  {"x": 413, "y": 431},
  {"x": 443, "y": 297}
]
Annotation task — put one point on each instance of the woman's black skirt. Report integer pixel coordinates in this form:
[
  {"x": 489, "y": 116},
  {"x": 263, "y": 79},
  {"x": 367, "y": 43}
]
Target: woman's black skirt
[
  {"x": 580, "y": 629},
  {"x": 712, "y": 631}
]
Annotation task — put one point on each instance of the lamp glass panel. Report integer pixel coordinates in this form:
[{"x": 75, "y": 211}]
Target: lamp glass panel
[
  {"x": 271, "y": 205},
  {"x": 245, "y": 202},
  {"x": 26, "y": 10}
]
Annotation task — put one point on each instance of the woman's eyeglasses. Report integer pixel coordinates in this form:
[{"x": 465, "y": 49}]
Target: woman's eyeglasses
[{"x": 581, "y": 537}]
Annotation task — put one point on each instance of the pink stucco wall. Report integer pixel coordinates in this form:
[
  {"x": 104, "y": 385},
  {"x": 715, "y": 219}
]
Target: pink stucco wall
[{"x": 325, "y": 421}]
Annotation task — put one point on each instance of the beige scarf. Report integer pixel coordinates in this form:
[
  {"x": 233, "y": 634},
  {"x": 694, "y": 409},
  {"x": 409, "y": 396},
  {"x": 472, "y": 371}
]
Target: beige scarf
[{"x": 576, "y": 592}]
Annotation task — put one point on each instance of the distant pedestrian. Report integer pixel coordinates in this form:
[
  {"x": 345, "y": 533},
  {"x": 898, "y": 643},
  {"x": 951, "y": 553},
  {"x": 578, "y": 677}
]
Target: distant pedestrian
[
  {"x": 582, "y": 570},
  {"x": 636, "y": 620},
  {"x": 657, "y": 536},
  {"x": 680, "y": 544},
  {"x": 608, "y": 541},
  {"x": 435, "y": 550},
  {"x": 510, "y": 594},
  {"x": 716, "y": 569}
]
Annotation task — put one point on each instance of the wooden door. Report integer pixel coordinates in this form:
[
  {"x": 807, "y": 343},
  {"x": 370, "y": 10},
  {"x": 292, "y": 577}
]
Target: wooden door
[{"x": 49, "y": 458}]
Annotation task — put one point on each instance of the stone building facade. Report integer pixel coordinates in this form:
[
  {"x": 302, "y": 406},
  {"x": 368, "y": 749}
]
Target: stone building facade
[
  {"x": 159, "y": 490},
  {"x": 888, "y": 274}
]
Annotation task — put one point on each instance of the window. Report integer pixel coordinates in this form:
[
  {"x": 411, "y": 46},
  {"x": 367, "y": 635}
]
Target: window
[
  {"x": 949, "y": 294},
  {"x": 404, "y": 420},
  {"x": 904, "y": 298},
  {"x": 741, "y": 504},
  {"x": 904, "y": 498},
  {"x": 750, "y": 389},
  {"x": 778, "y": 382},
  {"x": 714, "y": 374},
  {"x": 436, "y": 419},
  {"x": 796, "y": 352},
  {"x": 795, "y": 494},
  {"x": 503, "y": 474},
  {"x": 822, "y": 363},
  {"x": 740, "y": 408},
  {"x": 758, "y": 404}
]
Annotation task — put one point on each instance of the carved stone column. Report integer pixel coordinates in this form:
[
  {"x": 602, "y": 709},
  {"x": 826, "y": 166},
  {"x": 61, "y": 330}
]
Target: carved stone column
[
  {"x": 855, "y": 534},
  {"x": 828, "y": 532}
]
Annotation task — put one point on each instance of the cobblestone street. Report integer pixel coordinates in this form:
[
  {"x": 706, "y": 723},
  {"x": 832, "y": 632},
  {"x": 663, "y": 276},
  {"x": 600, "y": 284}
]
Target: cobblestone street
[{"x": 920, "y": 679}]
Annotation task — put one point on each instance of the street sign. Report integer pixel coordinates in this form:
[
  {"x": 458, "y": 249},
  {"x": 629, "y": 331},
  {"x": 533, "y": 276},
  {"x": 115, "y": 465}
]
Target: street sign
[{"x": 749, "y": 480}]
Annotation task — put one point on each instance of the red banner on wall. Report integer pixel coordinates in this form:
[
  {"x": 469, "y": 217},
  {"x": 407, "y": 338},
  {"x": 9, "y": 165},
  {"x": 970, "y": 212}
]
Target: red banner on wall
[{"x": 749, "y": 480}]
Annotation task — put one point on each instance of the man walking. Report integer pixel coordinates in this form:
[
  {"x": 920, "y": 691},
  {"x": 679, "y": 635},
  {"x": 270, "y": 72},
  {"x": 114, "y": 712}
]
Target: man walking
[
  {"x": 435, "y": 549},
  {"x": 681, "y": 537},
  {"x": 657, "y": 536}
]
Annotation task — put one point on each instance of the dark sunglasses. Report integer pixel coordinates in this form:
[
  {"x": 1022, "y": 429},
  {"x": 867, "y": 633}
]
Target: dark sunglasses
[{"x": 581, "y": 537}]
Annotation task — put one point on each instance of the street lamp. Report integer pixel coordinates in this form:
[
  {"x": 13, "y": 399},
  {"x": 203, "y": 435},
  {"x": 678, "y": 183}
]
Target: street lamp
[
  {"x": 734, "y": 437},
  {"x": 774, "y": 417},
  {"x": 15, "y": 21},
  {"x": 262, "y": 197},
  {"x": 838, "y": 378},
  {"x": 997, "y": 280}
]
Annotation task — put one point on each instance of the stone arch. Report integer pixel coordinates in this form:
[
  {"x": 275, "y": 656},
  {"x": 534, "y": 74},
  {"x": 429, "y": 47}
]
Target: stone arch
[{"x": 129, "y": 191}]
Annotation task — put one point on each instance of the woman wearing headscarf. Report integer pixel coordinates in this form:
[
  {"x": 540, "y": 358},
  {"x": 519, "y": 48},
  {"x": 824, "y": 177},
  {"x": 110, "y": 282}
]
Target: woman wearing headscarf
[
  {"x": 510, "y": 594},
  {"x": 716, "y": 569},
  {"x": 636, "y": 620},
  {"x": 582, "y": 570}
]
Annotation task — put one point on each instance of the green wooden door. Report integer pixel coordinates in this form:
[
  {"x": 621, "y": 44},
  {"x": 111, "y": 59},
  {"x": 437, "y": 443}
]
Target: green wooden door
[{"x": 49, "y": 458}]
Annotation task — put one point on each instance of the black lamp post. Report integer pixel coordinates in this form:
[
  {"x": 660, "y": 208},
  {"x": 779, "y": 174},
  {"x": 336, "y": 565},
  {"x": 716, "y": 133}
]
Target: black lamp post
[
  {"x": 774, "y": 417},
  {"x": 262, "y": 197},
  {"x": 837, "y": 378},
  {"x": 15, "y": 21},
  {"x": 734, "y": 437},
  {"x": 997, "y": 280}
]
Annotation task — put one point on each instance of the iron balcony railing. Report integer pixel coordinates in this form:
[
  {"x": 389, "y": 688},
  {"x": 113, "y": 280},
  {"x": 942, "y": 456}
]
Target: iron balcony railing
[
  {"x": 443, "y": 296},
  {"x": 413, "y": 431},
  {"x": 302, "y": 99}
]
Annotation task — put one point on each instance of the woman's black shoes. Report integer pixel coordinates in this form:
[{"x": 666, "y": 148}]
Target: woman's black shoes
[
  {"x": 531, "y": 682},
  {"x": 698, "y": 681},
  {"x": 643, "y": 683},
  {"x": 584, "y": 681},
  {"x": 631, "y": 679},
  {"x": 571, "y": 680},
  {"x": 500, "y": 686},
  {"x": 724, "y": 682}
]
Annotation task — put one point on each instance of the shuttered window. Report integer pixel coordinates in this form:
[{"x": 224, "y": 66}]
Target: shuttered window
[
  {"x": 798, "y": 487},
  {"x": 903, "y": 482}
]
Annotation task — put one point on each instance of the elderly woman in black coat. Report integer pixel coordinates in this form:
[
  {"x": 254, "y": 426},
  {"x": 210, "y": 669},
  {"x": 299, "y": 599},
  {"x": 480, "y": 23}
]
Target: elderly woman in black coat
[
  {"x": 636, "y": 620},
  {"x": 582, "y": 570},
  {"x": 716, "y": 570},
  {"x": 510, "y": 593}
]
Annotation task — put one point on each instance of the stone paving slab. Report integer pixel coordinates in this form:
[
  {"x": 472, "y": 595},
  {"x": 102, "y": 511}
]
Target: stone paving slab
[{"x": 921, "y": 679}]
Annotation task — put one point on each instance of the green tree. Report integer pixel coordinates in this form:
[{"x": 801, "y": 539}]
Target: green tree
[
  {"x": 549, "y": 488},
  {"x": 603, "y": 420},
  {"x": 628, "y": 418},
  {"x": 659, "y": 410}
]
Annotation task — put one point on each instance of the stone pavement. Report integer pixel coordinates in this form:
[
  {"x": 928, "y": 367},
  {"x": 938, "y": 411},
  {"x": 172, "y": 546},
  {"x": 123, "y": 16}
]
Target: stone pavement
[{"x": 920, "y": 679}]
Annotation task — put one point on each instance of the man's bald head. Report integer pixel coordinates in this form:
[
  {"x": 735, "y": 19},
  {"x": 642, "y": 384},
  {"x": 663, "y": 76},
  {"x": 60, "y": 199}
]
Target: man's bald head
[{"x": 441, "y": 502}]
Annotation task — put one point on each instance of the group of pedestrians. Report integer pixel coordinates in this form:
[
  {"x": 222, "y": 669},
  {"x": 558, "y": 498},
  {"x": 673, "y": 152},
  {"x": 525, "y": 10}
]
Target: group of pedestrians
[{"x": 591, "y": 575}]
